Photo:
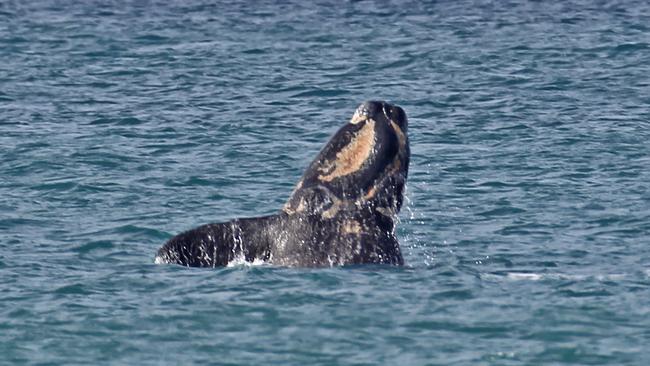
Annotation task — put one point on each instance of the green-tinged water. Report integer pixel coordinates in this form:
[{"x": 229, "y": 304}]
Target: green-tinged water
[{"x": 527, "y": 228}]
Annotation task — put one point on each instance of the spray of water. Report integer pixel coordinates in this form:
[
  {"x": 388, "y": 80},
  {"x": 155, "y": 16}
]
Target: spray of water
[{"x": 415, "y": 247}]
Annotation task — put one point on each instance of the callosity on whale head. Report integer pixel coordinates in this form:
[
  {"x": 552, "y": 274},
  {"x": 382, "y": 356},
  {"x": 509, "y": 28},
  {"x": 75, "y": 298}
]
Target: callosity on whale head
[{"x": 364, "y": 165}]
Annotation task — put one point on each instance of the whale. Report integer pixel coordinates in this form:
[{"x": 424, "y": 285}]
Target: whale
[{"x": 343, "y": 210}]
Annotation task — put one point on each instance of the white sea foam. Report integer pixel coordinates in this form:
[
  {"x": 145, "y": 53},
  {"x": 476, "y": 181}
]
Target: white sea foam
[
  {"x": 526, "y": 276},
  {"x": 240, "y": 261}
]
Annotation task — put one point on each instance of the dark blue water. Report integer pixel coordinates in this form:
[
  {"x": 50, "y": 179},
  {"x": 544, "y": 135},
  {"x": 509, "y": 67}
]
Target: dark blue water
[{"x": 527, "y": 231}]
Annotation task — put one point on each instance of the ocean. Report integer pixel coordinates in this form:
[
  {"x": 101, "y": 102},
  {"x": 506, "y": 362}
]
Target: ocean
[{"x": 526, "y": 229}]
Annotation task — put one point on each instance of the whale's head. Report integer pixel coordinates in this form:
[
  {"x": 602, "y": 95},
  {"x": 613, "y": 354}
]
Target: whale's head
[{"x": 364, "y": 166}]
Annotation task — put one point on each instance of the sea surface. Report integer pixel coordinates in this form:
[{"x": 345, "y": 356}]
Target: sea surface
[{"x": 526, "y": 233}]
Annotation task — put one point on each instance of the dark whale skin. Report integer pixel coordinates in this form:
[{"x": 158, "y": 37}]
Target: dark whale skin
[
  {"x": 295, "y": 241},
  {"x": 342, "y": 211}
]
